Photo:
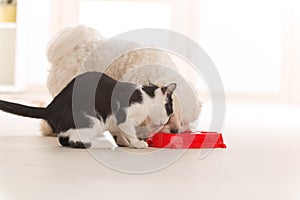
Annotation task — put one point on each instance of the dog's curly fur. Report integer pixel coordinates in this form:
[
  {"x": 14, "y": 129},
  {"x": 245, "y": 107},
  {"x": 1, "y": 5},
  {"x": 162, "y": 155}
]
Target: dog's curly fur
[{"x": 75, "y": 50}]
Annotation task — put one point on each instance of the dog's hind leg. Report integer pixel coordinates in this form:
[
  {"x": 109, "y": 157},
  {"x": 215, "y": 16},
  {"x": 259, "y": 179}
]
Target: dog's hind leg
[{"x": 45, "y": 129}]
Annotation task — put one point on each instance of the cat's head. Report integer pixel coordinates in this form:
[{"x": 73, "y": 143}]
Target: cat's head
[{"x": 162, "y": 103}]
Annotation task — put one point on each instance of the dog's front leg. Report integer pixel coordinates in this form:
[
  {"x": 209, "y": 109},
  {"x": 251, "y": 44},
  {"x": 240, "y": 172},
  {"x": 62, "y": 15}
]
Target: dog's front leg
[
  {"x": 128, "y": 129},
  {"x": 118, "y": 134}
]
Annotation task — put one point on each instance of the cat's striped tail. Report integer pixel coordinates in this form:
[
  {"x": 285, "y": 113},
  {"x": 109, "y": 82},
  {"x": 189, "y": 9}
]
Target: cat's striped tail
[{"x": 23, "y": 110}]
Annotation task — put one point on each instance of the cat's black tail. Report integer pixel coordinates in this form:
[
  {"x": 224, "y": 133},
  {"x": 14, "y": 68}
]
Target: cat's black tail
[{"x": 22, "y": 110}]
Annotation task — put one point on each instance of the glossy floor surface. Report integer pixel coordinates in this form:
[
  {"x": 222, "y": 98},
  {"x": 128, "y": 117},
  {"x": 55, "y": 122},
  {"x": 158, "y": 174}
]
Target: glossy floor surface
[{"x": 262, "y": 161}]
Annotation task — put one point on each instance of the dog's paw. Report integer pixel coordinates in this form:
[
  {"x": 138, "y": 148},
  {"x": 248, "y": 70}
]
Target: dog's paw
[
  {"x": 139, "y": 144},
  {"x": 121, "y": 141}
]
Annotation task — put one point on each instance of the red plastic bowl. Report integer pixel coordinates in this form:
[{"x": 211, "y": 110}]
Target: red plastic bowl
[{"x": 188, "y": 140}]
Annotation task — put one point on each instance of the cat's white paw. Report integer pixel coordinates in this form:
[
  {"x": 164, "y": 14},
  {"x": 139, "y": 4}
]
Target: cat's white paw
[
  {"x": 139, "y": 144},
  {"x": 104, "y": 142}
]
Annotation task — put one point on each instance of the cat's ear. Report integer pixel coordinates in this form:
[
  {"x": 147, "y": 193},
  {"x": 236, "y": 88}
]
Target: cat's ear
[{"x": 168, "y": 90}]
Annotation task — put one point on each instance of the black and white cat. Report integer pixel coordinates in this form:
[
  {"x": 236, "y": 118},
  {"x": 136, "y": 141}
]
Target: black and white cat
[{"x": 92, "y": 103}]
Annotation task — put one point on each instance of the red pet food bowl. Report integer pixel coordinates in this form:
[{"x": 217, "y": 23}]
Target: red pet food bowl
[{"x": 187, "y": 140}]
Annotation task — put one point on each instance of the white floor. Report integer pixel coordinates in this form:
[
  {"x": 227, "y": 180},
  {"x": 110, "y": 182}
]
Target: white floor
[{"x": 262, "y": 161}]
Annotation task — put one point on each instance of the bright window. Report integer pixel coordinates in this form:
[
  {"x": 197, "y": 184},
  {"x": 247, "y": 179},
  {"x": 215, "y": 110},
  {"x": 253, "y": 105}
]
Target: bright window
[
  {"x": 253, "y": 44},
  {"x": 244, "y": 39},
  {"x": 114, "y": 17}
]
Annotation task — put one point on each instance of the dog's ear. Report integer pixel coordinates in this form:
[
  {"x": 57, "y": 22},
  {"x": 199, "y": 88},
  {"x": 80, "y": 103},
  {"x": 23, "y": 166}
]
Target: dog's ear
[
  {"x": 151, "y": 84},
  {"x": 168, "y": 90}
]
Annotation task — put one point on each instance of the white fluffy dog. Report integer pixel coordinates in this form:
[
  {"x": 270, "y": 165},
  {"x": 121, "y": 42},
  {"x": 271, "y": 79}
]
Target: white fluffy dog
[{"x": 75, "y": 50}]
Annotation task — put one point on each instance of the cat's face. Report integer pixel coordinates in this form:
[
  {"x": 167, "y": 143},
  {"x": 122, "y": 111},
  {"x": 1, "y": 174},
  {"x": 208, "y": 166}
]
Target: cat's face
[{"x": 162, "y": 108}]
